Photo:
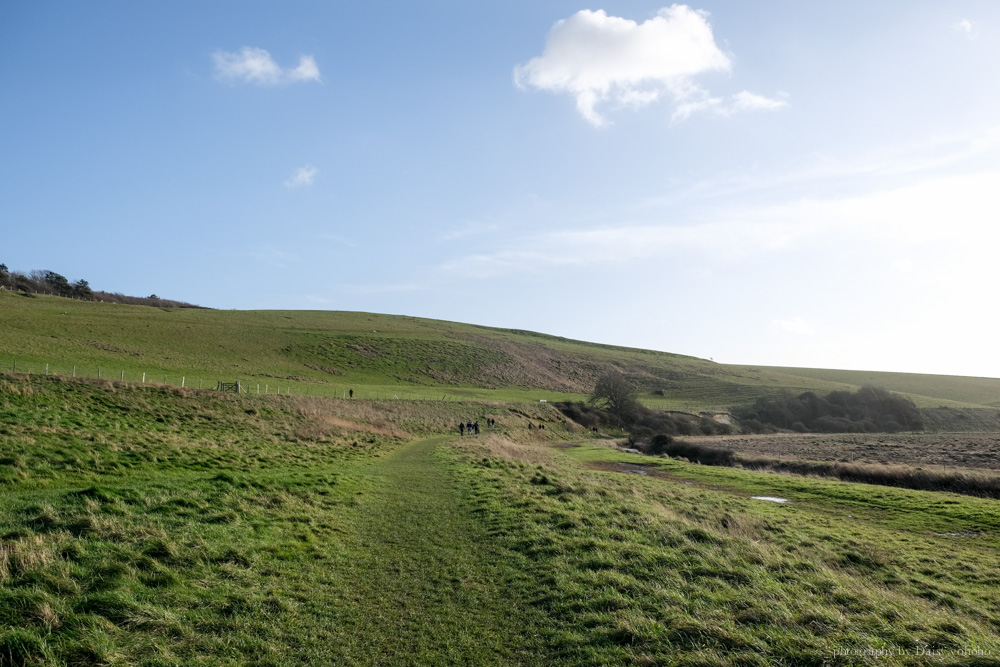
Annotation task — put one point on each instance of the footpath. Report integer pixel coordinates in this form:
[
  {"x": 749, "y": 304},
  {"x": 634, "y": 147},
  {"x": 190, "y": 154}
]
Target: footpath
[{"x": 420, "y": 581}]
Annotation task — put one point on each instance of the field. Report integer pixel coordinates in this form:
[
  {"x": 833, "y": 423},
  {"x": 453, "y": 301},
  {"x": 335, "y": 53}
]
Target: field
[
  {"x": 975, "y": 451},
  {"x": 157, "y": 525},
  {"x": 318, "y": 353},
  {"x": 142, "y": 522}
]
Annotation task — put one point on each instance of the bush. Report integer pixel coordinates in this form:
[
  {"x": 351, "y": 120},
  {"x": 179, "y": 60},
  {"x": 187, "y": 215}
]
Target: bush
[
  {"x": 697, "y": 453},
  {"x": 660, "y": 444},
  {"x": 868, "y": 410}
]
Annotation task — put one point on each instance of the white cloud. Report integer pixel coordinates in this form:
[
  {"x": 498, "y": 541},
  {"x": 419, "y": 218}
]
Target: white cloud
[
  {"x": 965, "y": 27},
  {"x": 255, "y": 65},
  {"x": 306, "y": 71},
  {"x": 747, "y": 101},
  {"x": 741, "y": 101},
  {"x": 595, "y": 57},
  {"x": 599, "y": 58},
  {"x": 795, "y": 325},
  {"x": 303, "y": 177}
]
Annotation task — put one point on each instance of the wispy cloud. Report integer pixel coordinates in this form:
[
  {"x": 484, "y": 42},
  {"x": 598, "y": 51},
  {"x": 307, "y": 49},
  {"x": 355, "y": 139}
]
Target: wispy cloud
[
  {"x": 255, "y": 65},
  {"x": 599, "y": 58},
  {"x": 741, "y": 101},
  {"x": 303, "y": 177},
  {"x": 965, "y": 27},
  {"x": 939, "y": 209}
]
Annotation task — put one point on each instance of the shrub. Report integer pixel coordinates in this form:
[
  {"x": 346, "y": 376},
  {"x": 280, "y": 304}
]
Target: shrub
[
  {"x": 698, "y": 453},
  {"x": 660, "y": 444},
  {"x": 868, "y": 410}
]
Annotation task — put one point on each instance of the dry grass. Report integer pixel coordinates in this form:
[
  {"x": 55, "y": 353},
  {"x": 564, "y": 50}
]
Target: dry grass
[
  {"x": 26, "y": 555},
  {"x": 377, "y": 426},
  {"x": 951, "y": 450},
  {"x": 499, "y": 446},
  {"x": 967, "y": 482}
]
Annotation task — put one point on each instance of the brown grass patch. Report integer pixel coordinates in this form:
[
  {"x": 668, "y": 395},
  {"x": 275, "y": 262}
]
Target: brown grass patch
[
  {"x": 26, "y": 555},
  {"x": 495, "y": 445},
  {"x": 377, "y": 427},
  {"x": 978, "y": 451}
]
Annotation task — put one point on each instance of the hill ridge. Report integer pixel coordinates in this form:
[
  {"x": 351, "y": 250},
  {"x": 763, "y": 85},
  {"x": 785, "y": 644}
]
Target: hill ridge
[{"x": 328, "y": 351}]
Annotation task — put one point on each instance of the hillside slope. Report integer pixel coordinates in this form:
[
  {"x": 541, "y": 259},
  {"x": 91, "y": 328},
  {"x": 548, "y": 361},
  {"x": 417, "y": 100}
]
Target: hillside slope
[{"x": 324, "y": 353}]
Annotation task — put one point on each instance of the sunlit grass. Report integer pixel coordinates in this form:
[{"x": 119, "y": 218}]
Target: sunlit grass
[
  {"x": 166, "y": 526},
  {"x": 387, "y": 357}
]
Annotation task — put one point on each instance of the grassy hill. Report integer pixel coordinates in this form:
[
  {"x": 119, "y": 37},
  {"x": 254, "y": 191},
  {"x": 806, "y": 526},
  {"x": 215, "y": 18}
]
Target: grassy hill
[
  {"x": 165, "y": 525},
  {"x": 326, "y": 353},
  {"x": 162, "y": 526}
]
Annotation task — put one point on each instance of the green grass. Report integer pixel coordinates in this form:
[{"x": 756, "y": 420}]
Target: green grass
[
  {"x": 149, "y": 525},
  {"x": 688, "y": 569},
  {"x": 326, "y": 353},
  {"x": 162, "y": 526}
]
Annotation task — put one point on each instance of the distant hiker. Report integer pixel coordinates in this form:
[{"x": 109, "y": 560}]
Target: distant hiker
[
  {"x": 530, "y": 426},
  {"x": 352, "y": 393},
  {"x": 541, "y": 427},
  {"x": 461, "y": 428},
  {"x": 476, "y": 425},
  {"x": 468, "y": 427}
]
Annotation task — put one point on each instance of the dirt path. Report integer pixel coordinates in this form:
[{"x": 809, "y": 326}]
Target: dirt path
[{"x": 419, "y": 580}]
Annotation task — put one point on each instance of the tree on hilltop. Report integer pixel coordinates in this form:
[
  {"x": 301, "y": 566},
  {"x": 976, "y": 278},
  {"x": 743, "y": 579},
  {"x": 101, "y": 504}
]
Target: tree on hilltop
[{"x": 81, "y": 290}]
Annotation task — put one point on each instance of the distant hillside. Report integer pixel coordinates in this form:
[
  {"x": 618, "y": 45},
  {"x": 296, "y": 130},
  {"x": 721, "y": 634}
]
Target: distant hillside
[
  {"x": 326, "y": 352},
  {"x": 956, "y": 390}
]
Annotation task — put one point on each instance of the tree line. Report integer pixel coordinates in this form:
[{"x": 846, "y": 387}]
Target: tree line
[
  {"x": 52, "y": 283},
  {"x": 615, "y": 402},
  {"x": 867, "y": 410}
]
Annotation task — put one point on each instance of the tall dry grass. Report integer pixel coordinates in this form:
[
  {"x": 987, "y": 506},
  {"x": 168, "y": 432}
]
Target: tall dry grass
[
  {"x": 966, "y": 482},
  {"x": 25, "y": 555}
]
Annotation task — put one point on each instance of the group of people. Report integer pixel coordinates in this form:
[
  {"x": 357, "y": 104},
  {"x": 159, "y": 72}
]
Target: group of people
[{"x": 472, "y": 427}]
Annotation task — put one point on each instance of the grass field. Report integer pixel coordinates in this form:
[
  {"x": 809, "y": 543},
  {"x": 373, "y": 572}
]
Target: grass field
[
  {"x": 321, "y": 353},
  {"x": 153, "y": 525}
]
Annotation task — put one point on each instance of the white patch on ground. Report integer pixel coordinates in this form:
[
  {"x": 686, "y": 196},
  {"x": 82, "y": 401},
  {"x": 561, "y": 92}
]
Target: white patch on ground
[{"x": 770, "y": 499}]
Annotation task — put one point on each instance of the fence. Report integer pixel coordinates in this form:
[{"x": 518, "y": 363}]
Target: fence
[{"x": 267, "y": 388}]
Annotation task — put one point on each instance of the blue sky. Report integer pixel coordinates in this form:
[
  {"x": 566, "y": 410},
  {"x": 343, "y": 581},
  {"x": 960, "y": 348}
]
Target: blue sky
[{"x": 778, "y": 183}]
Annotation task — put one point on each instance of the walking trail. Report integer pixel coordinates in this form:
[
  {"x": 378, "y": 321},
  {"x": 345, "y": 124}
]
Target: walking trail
[{"x": 421, "y": 582}]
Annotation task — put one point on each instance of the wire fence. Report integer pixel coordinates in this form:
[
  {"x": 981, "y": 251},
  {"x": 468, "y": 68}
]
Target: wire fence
[{"x": 268, "y": 387}]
